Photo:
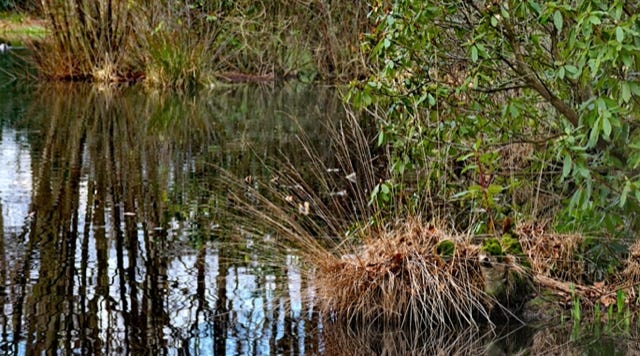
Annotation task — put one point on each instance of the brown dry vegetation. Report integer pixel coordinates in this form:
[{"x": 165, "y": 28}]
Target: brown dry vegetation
[
  {"x": 552, "y": 255},
  {"x": 631, "y": 272},
  {"x": 398, "y": 277},
  {"x": 557, "y": 268},
  {"x": 367, "y": 268}
]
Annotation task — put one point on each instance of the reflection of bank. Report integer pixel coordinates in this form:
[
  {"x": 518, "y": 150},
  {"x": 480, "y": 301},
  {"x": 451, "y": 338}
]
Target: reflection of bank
[{"x": 116, "y": 257}]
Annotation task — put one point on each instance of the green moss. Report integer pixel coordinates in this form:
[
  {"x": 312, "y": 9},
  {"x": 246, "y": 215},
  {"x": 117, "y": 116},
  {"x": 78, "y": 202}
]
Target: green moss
[
  {"x": 511, "y": 245},
  {"x": 445, "y": 248},
  {"x": 507, "y": 244},
  {"x": 492, "y": 247}
]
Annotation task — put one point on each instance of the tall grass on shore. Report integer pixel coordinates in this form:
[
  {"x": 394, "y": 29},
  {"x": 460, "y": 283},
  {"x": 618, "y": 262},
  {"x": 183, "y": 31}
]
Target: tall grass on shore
[
  {"x": 182, "y": 43},
  {"x": 88, "y": 40},
  {"x": 167, "y": 43},
  {"x": 178, "y": 45},
  {"x": 366, "y": 268}
]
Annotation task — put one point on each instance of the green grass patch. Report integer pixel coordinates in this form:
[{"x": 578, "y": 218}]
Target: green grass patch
[{"x": 16, "y": 28}]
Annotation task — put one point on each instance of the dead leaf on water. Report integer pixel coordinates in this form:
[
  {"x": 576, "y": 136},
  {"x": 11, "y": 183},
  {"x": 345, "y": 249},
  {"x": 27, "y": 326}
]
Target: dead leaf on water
[
  {"x": 352, "y": 177},
  {"x": 304, "y": 208}
]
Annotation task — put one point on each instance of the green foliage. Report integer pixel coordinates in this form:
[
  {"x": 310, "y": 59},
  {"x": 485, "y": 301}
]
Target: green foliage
[
  {"x": 381, "y": 194},
  {"x": 576, "y": 312},
  {"x": 460, "y": 82}
]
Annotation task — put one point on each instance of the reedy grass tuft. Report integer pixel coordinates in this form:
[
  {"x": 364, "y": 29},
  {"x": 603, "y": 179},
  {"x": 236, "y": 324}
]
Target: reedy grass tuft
[
  {"x": 397, "y": 277},
  {"x": 88, "y": 40},
  {"x": 365, "y": 267},
  {"x": 179, "y": 45}
]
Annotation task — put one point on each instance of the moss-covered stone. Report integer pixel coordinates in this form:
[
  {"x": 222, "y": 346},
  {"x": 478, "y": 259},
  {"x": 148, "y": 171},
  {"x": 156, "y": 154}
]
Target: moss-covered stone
[
  {"x": 492, "y": 247},
  {"x": 541, "y": 308},
  {"x": 445, "y": 248},
  {"x": 511, "y": 245}
]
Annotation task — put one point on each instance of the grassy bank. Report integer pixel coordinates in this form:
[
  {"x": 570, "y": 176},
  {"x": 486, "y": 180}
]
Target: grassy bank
[
  {"x": 16, "y": 28},
  {"x": 189, "y": 43}
]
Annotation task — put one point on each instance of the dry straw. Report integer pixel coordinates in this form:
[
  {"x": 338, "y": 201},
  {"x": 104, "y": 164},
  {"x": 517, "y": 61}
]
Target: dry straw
[
  {"x": 550, "y": 254},
  {"x": 397, "y": 277},
  {"x": 366, "y": 268}
]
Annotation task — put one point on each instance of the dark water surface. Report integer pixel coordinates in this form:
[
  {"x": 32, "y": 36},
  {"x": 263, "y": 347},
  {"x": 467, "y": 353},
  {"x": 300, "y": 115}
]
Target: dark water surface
[{"x": 111, "y": 242}]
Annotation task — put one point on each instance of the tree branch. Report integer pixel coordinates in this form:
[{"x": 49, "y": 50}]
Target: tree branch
[{"x": 532, "y": 80}]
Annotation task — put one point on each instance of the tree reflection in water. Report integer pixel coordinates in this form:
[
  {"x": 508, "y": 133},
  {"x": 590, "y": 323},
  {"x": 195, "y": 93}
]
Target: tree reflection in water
[{"x": 122, "y": 254}]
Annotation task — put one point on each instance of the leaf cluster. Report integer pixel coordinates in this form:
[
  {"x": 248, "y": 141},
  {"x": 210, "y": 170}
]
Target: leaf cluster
[{"x": 458, "y": 85}]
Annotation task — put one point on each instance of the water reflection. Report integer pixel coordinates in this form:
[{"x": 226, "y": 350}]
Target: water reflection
[
  {"x": 108, "y": 243},
  {"x": 111, "y": 242}
]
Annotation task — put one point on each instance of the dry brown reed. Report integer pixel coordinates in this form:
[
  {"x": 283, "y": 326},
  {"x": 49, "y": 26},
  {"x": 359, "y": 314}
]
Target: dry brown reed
[
  {"x": 88, "y": 39},
  {"x": 365, "y": 268},
  {"x": 397, "y": 277},
  {"x": 558, "y": 268},
  {"x": 632, "y": 269},
  {"x": 551, "y": 254}
]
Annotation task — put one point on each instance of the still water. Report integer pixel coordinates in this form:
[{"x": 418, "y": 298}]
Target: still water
[{"x": 112, "y": 241}]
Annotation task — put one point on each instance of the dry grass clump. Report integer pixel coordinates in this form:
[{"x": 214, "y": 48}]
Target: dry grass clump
[
  {"x": 398, "y": 277},
  {"x": 551, "y": 254},
  {"x": 632, "y": 269},
  {"x": 366, "y": 268},
  {"x": 87, "y": 39}
]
